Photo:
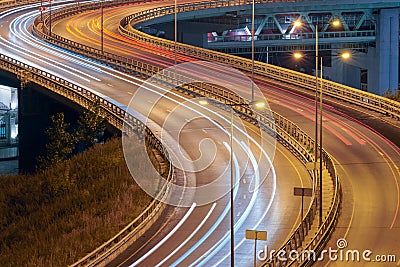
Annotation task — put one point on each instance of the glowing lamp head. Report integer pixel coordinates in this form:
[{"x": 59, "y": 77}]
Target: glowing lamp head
[
  {"x": 297, "y": 55},
  {"x": 336, "y": 23},
  {"x": 203, "y": 102},
  {"x": 298, "y": 23},
  {"x": 259, "y": 104},
  {"x": 346, "y": 55}
]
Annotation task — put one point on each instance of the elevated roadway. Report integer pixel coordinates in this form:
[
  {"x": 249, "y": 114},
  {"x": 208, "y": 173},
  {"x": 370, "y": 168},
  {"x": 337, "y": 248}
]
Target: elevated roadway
[
  {"x": 278, "y": 217},
  {"x": 368, "y": 161}
]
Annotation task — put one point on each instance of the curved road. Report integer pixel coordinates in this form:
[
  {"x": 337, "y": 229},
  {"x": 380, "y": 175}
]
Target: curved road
[
  {"x": 368, "y": 163},
  {"x": 276, "y": 210}
]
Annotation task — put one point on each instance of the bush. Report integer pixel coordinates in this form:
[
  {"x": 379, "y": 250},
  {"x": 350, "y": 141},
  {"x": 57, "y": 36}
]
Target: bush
[{"x": 394, "y": 96}]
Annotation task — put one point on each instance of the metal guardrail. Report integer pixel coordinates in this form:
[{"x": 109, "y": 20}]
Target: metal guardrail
[
  {"x": 9, "y": 4},
  {"x": 287, "y": 132},
  {"x": 348, "y": 94},
  {"x": 294, "y": 36}
]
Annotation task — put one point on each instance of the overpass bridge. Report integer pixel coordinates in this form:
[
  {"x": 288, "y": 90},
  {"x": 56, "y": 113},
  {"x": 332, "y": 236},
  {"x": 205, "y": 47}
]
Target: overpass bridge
[
  {"x": 369, "y": 28},
  {"x": 363, "y": 155}
]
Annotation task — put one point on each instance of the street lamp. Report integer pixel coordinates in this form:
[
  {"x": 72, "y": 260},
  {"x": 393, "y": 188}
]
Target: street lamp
[
  {"x": 260, "y": 105},
  {"x": 102, "y": 26},
  {"x": 252, "y": 49},
  {"x": 50, "y": 15},
  {"x": 41, "y": 12},
  {"x": 298, "y": 55},
  {"x": 175, "y": 28}
]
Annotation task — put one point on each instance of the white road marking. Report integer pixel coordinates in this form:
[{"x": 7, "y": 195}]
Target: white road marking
[
  {"x": 189, "y": 237},
  {"x": 166, "y": 238}
]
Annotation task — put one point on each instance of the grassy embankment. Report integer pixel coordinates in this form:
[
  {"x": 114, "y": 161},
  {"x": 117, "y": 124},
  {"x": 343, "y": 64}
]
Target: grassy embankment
[{"x": 54, "y": 218}]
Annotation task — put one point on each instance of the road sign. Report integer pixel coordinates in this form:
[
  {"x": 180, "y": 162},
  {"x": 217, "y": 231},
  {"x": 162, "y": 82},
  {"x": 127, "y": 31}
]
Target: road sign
[
  {"x": 256, "y": 235},
  {"x": 300, "y": 191}
]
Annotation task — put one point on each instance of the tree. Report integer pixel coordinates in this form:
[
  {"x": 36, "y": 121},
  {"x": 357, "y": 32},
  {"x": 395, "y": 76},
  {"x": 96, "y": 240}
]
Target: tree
[
  {"x": 395, "y": 96},
  {"x": 61, "y": 142},
  {"x": 91, "y": 125}
]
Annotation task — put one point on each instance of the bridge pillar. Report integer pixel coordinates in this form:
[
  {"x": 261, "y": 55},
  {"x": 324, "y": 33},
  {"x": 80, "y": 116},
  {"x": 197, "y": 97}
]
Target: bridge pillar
[
  {"x": 381, "y": 62},
  {"x": 388, "y": 48},
  {"x": 345, "y": 72}
]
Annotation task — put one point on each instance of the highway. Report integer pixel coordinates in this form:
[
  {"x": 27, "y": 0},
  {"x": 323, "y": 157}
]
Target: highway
[
  {"x": 277, "y": 210},
  {"x": 367, "y": 162}
]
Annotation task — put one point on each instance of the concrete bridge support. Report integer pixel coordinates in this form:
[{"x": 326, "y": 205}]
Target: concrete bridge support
[{"x": 381, "y": 62}]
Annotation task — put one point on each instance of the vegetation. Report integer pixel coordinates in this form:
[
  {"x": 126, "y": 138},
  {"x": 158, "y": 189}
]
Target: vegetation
[
  {"x": 64, "y": 140},
  {"x": 57, "y": 216},
  {"x": 91, "y": 126},
  {"x": 61, "y": 142},
  {"x": 394, "y": 96}
]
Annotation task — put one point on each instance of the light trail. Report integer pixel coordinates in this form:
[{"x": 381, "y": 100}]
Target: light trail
[{"x": 136, "y": 263}]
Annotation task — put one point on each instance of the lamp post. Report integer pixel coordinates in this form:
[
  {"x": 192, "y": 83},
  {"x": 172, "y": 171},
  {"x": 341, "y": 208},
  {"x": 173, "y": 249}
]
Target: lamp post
[
  {"x": 41, "y": 12},
  {"x": 259, "y": 104},
  {"x": 50, "y": 16},
  {"x": 317, "y": 147},
  {"x": 102, "y": 26},
  {"x": 252, "y": 50},
  {"x": 175, "y": 28},
  {"x": 319, "y": 101}
]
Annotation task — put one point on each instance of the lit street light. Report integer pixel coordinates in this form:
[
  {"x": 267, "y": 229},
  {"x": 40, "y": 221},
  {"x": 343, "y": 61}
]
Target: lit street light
[
  {"x": 260, "y": 105},
  {"x": 346, "y": 55},
  {"x": 297, "y": 55}
]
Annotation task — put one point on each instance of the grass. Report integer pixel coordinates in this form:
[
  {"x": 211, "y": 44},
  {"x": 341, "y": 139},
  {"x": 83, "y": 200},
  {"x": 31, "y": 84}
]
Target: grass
[{"x": 58, "y": 216}]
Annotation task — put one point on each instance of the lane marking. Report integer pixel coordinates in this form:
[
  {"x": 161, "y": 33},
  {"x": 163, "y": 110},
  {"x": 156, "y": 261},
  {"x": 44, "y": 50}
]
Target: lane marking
[
  {"x": 189, "y": 237},
  {"x": 222, "y": 242},
  {"x": 167, "y": 237},
  {"x": 219, "y": 220}
]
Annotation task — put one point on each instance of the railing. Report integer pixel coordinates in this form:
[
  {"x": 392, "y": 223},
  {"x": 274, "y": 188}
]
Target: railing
[
  {"x": 10, "y": 4},
  {"x": 287, "y": 132},
  {"x": 348, "y": 94},
  {"x": 293, "y": 36}
]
